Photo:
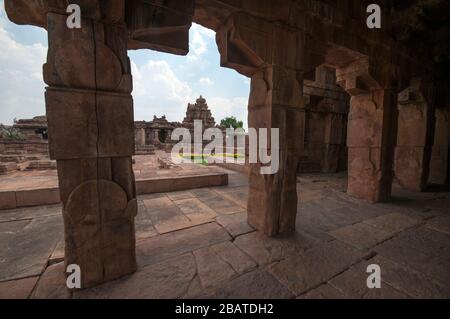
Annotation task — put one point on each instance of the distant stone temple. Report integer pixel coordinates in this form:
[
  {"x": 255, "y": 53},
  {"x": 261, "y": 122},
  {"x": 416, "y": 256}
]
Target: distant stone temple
[
  {"x": 28, "y": 148},
  {"x": 157, "y": 133},
  {"x": 33, "y": 129},
  {"x": 198, "y": 111}
]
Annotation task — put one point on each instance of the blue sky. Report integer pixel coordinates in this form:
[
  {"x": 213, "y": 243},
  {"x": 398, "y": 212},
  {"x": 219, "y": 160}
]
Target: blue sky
[{"x": 163, "y": 83}]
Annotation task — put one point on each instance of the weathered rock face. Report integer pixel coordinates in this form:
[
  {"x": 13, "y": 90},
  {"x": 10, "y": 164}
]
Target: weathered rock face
[
  {"x": 325, "y": 124},
  {"x": 415, "y": 136}
]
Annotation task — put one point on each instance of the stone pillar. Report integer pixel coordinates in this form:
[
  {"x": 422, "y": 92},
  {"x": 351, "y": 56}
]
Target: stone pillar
[
  {"x": 414, "y": 137},
  {"x": 277, "y": 60},
  {"x": 276, "y": 101},
  {"x": 91, "y": 135},
  {"x": 371, "y": 132},
  {"x": 439, "y": 156},
  {"x": 140, "y": 136},
  {"x": 334, "y": 143}
]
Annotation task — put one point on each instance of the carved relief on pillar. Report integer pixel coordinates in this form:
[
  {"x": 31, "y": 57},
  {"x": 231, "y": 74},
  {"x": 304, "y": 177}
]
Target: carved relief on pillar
[
  {"x": 371, "y": 132},
  {"x": 160, "y": 25},
  {"x": 90, "y": 123},
  {"x": 415, "y": 135}
]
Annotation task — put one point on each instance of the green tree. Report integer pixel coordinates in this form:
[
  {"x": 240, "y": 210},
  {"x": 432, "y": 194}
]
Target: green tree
[
  {"x": 231, "y": 121},
  {"x": 10, "y": 133}
]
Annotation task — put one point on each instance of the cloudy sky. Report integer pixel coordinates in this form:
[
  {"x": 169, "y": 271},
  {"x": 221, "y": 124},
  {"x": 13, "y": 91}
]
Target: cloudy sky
[{"x": 163, "y": 83}]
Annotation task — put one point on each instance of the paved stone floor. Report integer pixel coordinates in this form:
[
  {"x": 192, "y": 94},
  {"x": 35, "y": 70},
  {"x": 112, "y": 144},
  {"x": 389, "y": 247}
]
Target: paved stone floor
[
  {"x": 145, "y": 167},
  {"x": 197, "y": 244}
]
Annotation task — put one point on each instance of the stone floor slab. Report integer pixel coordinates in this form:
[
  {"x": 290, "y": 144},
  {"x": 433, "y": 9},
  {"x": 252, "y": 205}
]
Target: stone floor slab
[
  {"x": 173, "y": 244},
  {"x": 353, "y": 283},
  {"x": 304, "y": 271},
  {"x": 324, "y": 291},
  {"x": 237, "y": 259},
  {"x": 166, "y": 280},
  {"x": 257, "y": 284},
  {"x": 235, "y": 224},
  {"x": 361, "y": 235},
  {"x": 17, "y": 289},
  {"x": 211, "y": 269}
]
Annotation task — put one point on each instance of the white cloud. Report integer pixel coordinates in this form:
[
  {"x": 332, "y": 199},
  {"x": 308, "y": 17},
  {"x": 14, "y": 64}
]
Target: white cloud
[
  {"x": 158, "y": 91},
  {"x": 21, "y": 81},
  {"x": 197, "y": 43},
  {"x": 199, "y": 37},
  {"x": 223, "y": 107},
  {"x": 206, "y": 81}
]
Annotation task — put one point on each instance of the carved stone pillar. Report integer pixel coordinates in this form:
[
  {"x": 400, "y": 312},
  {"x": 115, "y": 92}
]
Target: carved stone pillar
[
  {"x": 439, "y": 156},
  {"x": 371, "y": 132},
  {"x": 334, "y": 143},
  {"x": 415, "y": 136},
  {"x": 91, "y": 135},
  {"x": 276, "y": 60},
  {"x": 140, "y": 136},
  {"x": 276, "y": 101}
]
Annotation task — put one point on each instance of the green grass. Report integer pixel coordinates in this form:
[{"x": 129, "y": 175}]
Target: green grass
[{"x": 203, "y": 159}]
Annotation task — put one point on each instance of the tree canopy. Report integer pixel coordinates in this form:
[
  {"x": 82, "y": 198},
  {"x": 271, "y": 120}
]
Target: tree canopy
[{"x": 231, "y": 121}]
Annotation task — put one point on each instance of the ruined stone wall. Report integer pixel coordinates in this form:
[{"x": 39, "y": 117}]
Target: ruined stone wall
[
  {"x": 23, "y": 147},
  {"x": 324, "y": 144}
]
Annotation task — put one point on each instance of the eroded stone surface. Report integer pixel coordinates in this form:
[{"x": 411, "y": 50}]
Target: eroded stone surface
[
  {"x": 303, "y": 271},
  {"x": 17, "y": 289},
  {"x": 257, "y": 284},
  {"x": 324, "y": 291},
  {"x": 176, "y": 243},
  {"x": 353, "y": 283},
  {"x": 306, "y": 264},
  {"x": 165, "y": 280},
  {"x": 52, "y": 284}
]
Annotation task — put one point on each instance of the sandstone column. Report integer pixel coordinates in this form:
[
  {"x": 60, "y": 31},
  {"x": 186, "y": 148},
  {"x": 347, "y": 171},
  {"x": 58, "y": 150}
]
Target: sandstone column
[
  {"x": 276, "y": 101},
  {"x": 415, "y": 136},
  {"x": 140, "y": 136},
  {"x": 91, "y": 135},
  {"x": 334, "y": 143},
  {"x": 372, "y": 123},
  {"x": 439, "y": 156},
  {"x": 277, "y": 60}
]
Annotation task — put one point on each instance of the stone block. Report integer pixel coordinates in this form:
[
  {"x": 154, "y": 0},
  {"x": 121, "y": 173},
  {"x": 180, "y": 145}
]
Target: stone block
[
  {"x": 115, "y": 121},
  {"x": 8, "y": 200},
  {"x": 163, "y": 247},
  {"x": 257, "y": 284},
  {"x": 37, "y": 197},
  {"x": 211, "y": 269},
  {"x": 170, "y": 279},
  {"x": 238, "y": 260},
  {"x": 17, "y": 289},
  {"x": 72, "y": 124},
  {"x": 52, "y": 284}
]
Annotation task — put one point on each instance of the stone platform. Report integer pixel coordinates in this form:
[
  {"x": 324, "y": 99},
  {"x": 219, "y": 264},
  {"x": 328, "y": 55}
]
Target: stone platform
[
  {"x": 196, "y": 244},
  {"x": 33, "y": 188}
]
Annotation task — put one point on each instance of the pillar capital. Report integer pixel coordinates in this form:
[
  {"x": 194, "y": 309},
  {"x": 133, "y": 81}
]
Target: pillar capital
[
  {"x": 248, "y": 44},
  {"x": 420, "y": 90}
]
